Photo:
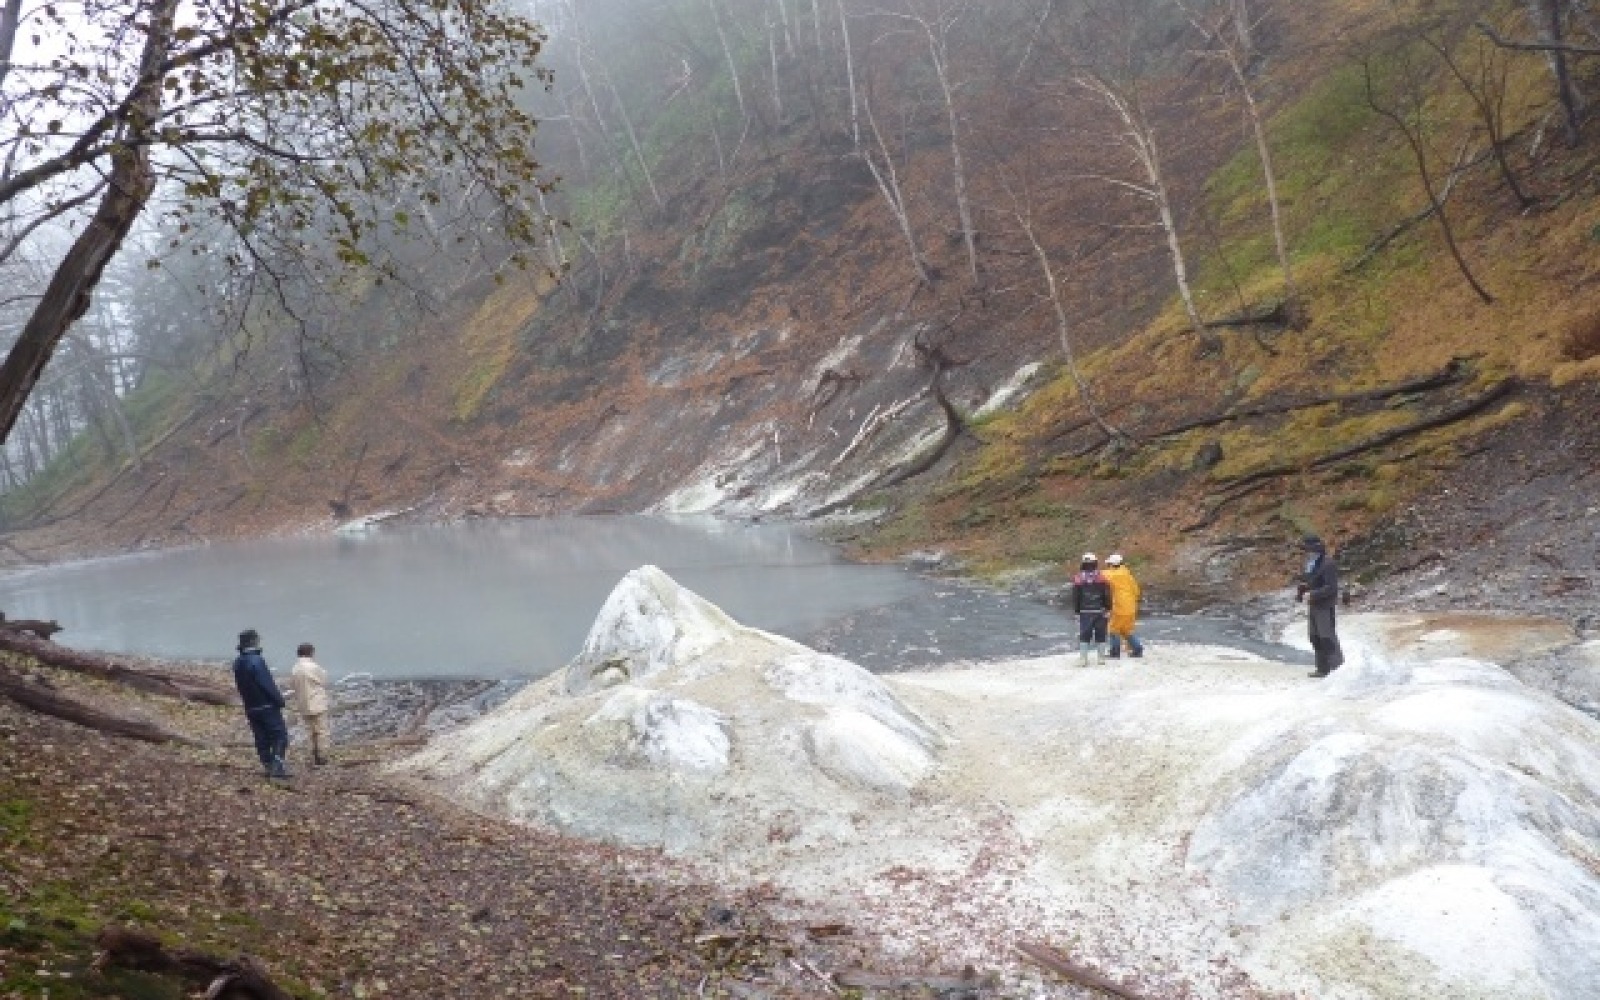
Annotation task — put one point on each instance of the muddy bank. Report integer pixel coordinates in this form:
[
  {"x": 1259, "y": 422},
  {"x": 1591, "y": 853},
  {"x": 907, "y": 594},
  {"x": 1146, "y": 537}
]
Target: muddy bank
[{"x": 344, "y": 882}]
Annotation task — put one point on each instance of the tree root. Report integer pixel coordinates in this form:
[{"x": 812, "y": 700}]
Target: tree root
[
  {"x": 38, "y": 698},
  {"x": 241, "y": 978}
]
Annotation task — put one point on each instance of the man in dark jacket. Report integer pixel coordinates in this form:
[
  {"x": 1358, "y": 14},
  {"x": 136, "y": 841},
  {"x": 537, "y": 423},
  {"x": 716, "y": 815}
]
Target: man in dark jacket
[
  {"x": 1091, "y": 601},
  {"x": 263, "y": 704},
  {"x": 1319, "y": 588}
]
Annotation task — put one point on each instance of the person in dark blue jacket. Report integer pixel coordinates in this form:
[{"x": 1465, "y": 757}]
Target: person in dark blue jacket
[
  {"x": 263, "y": 704},
  {"x": 1319, "y": 589}
]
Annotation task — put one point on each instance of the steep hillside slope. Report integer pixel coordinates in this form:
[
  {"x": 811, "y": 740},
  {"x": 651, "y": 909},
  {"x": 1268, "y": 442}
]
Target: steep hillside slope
[{"x": 761, "y": 347}]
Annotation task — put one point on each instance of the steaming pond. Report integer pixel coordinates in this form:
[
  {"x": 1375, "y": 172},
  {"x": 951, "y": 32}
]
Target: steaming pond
[{"x": 515, "y": 598}]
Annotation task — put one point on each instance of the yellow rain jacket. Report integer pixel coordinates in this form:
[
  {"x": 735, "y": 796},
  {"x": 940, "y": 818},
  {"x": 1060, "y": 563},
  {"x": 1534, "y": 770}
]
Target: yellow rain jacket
[{"x": 1124, "y": 599}]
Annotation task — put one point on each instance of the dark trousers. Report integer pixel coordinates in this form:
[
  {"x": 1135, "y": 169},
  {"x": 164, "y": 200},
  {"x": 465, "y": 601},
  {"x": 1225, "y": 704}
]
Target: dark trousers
[
  {"x": 1092, "y": 626},
  {"x": 1324, "y": 641},
  {"x": 271, "y": 733}
]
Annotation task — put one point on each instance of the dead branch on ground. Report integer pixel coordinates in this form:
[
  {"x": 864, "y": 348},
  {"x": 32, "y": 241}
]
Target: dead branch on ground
[
  {"x": 969, "y": 980},
  {"x": 1073, "y": 972},
  {"x": 241, "y": 978}
]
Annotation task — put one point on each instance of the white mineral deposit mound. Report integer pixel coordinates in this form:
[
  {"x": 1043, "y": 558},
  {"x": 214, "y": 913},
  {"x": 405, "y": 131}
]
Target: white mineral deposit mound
[
  {"x": 1201, "y": 822},
  {"x": 677, "y": 726}
]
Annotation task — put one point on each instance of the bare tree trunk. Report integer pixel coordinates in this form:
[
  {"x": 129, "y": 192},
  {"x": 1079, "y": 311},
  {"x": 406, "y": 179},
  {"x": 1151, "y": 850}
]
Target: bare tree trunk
[
  {"x": 938, "y": 52},
  {"x": 1064, "y": 329},
  {"x": 1243, "y": 29},
  {"x": 1488, "y": 97},
  {"x": 9, "y": 18},
  {"x": 788, "y": 28},
  {"x": 888, "y": 181},
  {"x": 727, "y": 53},
  {"x": 1237, "y": 54},
  {"x": 777, "y": 80},
  {"x": 633, "y": 140},
  {"x": 102, "y": 380},
  {"x": 68, "y": 294},
  {"x": 1564, "y": 84},
  {"x": 850, "y": 76},
  {"x": 1546, "y": 16},
  {"x": 1140, "y": 139},
  {"x": 599, "y": 116},
  {"x": 1419, "y": 154}
]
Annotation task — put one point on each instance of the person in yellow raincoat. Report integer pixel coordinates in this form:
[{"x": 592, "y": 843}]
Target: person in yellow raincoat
[{"x": 1124, "y": 607}]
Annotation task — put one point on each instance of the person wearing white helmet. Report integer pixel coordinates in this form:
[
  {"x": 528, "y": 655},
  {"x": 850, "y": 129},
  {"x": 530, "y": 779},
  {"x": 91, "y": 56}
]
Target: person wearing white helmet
[
  {"x": 1125, "y": 598},
  {"x": 1091, "y": 601}
]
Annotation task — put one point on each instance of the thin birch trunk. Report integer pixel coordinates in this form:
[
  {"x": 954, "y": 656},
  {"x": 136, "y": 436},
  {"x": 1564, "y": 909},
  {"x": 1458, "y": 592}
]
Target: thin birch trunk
[
  {"x": 633, "y": 139},
  {"x": 1140, "y": 140},
  {"x": 1064, "y": 331},
  {"x": 727, "y": 53},
  {"x": 777, "y": 82},
  {"x": 937, "y": 52},
  {"x": 850, "y": 76},
  {"x": 1237, "y": 55},
  {"x": 788, "y": 28},
  {"x": 888, "y": 181}
]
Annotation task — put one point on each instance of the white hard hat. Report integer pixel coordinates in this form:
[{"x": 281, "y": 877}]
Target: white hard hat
[
  {"x": 1114, "y": 559},
  {"x": 1090, "y": 557}
]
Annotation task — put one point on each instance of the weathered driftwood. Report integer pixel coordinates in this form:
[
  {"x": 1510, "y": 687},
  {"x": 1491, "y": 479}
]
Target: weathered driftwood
[
  {"x": 46, "y": 701},
  {"x": 1049, "y": 958},
  {"x": 147, "y": 679},
  {"x": 240, "y": 978}
]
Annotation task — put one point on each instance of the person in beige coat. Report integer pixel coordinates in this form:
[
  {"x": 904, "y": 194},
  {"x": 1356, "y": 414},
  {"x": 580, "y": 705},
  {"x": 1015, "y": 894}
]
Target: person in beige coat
[{"x": 309, "y": 683}]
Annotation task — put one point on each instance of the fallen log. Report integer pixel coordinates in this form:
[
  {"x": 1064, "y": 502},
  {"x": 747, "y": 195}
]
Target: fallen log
[
  {"x": 1450, "y": 415},
  {"x": 1451, "y": 374},
  {"x": 151, "y": 681},
  {"x": 1048, "y": 958},
  {"x": 1242, "y": 486},
  {"x": 240, "y": 978},
  {"x": 1276, "y": 314},
  {"x": 38, "y": 698},
  {"x": 39, "y": 627}
]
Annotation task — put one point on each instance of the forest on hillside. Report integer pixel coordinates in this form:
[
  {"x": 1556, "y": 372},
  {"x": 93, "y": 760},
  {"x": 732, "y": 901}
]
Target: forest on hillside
[{"x": 1030, "y": 180}]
